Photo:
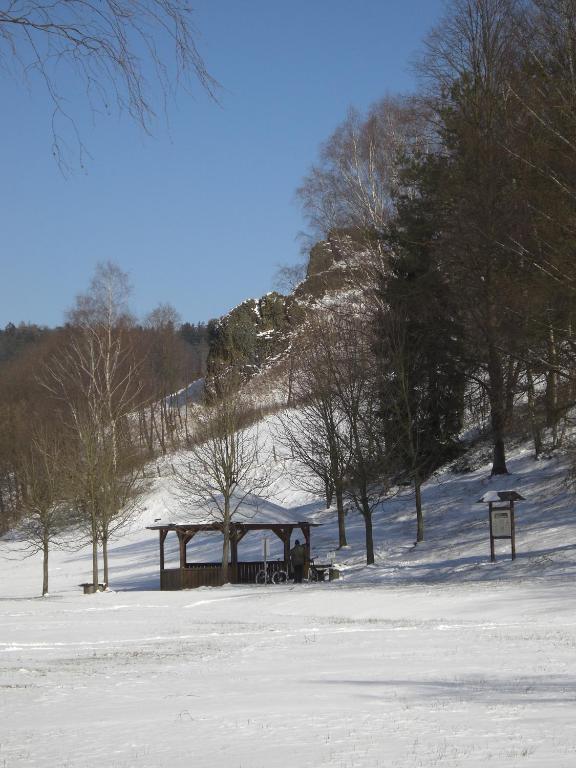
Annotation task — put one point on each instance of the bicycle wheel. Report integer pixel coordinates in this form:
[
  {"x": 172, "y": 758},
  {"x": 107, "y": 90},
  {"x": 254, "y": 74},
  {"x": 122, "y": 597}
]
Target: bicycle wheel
[
  {"x": 313, "y": 574},
  {"x": 262, "y": 577},
  {"x": 280, "y": 577}
]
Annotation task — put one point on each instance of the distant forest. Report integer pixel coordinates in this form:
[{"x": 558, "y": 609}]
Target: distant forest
[{"x": 15, "y": 339}]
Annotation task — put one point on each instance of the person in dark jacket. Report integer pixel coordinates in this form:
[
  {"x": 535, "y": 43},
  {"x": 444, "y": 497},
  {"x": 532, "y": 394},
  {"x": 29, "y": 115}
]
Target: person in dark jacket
[{"x": 297, "y": 557}]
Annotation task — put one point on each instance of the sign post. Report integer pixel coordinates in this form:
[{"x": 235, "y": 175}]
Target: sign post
[
  {"x": 501, "y": 518},
  {"x": 265, "y": 554}
]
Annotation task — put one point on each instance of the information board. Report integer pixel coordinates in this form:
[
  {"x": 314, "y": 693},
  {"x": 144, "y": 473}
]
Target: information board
[{"x": 501, "y": 524}]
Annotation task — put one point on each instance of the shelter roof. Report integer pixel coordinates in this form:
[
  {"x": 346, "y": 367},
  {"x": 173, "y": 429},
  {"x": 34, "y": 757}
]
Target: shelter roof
[
  {"x": 263, "y": 526},
  {"x": 495, "y": 496}
]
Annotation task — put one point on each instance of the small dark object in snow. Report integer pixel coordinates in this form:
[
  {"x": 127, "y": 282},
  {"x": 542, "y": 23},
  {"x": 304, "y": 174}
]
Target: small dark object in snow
[{"x": 90, "y": 589}]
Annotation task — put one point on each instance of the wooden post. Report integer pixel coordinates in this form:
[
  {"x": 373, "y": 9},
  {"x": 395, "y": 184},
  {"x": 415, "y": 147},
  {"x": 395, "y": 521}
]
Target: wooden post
[
  {"x": 286, "y": 542},
  {"x": 163, "y": 535},
  {"x": 182, "y": 548},
  {"x": 492, "y": 553},
  {"x": 513, "y": 531},
  {"x": 305, "y": 528},
  {"x": 284, "y": 536}
]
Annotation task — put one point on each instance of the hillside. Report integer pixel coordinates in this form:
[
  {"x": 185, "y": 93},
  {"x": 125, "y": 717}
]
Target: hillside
[
  {"x": 455, "y": 550},
  {"x": 431, "y": 657}
]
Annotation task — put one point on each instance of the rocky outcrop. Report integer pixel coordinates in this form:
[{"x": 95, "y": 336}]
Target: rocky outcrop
[
  {"x": 253, "y": 333},
  {"x": 257, "y": 332}
]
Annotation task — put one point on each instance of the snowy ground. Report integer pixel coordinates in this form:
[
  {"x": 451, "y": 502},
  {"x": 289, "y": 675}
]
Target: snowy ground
[
  {"x": 432, "y": 657},
  {"x": 278, "y": 676}
]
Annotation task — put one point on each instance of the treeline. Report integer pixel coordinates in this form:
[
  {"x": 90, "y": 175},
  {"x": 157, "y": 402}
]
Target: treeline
[
  {"x": 14, "y": 339},
  {"x": 83, "y": 408},
  {"x": 457, "y": 206}
]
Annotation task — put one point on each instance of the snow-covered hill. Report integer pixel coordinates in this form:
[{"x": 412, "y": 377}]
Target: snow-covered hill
[
  {"x": 456, "y": 547},
  {"x": 431, "y": 657}
]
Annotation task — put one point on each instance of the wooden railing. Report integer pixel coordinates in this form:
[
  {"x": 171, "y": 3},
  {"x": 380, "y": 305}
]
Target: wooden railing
[
  {"x": 210, "y": 574},
  {"x": 191, "y": 577},
  {"x": 247, "y": 570}
]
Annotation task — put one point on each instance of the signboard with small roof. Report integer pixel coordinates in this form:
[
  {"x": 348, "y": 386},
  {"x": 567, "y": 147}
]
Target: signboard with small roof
[{"x": 501, "y": 518}]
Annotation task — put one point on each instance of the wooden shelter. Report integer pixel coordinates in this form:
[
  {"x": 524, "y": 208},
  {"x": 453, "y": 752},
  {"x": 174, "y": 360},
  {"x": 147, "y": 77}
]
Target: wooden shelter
[{"x": 189, "y": 575}]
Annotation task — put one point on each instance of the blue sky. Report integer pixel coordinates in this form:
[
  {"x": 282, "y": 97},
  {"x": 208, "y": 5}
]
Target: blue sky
[{"x": 201, "y": 214}]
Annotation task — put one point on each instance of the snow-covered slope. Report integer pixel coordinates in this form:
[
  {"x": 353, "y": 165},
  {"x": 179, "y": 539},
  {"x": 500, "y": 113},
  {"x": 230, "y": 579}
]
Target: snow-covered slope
[
  {"x": 456, "y": 547},
  {"x": 432, "y": 657}
]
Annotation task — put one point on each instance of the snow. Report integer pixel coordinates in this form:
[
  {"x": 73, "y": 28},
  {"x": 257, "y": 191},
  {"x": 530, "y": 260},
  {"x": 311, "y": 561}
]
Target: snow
[
  {"x": 192, "y": 393},
  {"x": 496, "y": 496},
  {"x": 431, "y": 657},
  {"x": 490, "y": 496}
]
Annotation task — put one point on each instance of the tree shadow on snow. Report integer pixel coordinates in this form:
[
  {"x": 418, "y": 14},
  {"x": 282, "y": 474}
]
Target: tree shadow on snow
[{"x": 549, "y": 689}]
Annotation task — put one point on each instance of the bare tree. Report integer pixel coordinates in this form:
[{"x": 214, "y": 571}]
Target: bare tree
[
  {"x": 226, "y": 468},
  {"x": 346, "y": 367},
  {"x": 315, "y": 430},
  {"x": 166, "y": 360},
  {"x": 43, "y": 506},
  {"x": 95, "y": 377},
  {"x": 121, "y": 484},
  {"x": 115, "y": 49},
  {"x": 289, "y": 276},
  {"x": 353, "y": 183},
  {"x": 368, "y": 481}
]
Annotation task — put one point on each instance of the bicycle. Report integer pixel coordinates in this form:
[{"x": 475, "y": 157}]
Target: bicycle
[
  {"x": 314, "y": 573},
  {"x": 268, "y": 575}
]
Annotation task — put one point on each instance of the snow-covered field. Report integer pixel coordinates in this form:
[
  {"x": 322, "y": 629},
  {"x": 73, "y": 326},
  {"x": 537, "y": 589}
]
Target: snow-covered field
[{"x": 432, "y": 657}]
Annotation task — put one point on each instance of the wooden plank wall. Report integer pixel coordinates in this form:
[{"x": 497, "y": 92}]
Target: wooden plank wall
[{"x": 210, "y": 574}]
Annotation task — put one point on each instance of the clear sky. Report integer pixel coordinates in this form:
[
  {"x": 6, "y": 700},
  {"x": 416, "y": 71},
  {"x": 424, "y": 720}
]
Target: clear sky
[{"x": 201, "y": 214}]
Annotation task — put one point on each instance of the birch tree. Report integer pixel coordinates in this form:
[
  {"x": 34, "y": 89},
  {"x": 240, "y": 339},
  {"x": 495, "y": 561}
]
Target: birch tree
[
  {"x": 95, "y": 377},
  {"x": 353, "y": 183}
]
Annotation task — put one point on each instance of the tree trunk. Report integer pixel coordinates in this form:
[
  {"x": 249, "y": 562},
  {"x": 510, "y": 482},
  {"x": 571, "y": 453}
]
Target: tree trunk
[
  {"x": 105, "y": 559},
  {"x": 162, "y": 429},
  {"x": 342, "y": 542},
  {"x": 369, "y": 537},
  {"x": 145, "y": 433},
  {"x": 45, "y": 547},
  {"x": 419, "y": 512},
  {"x": 499, "y": 457},
  {"x": 226, "y": 543},
  {"x": 95, "y": 561},
  {"x": 497, "y": 412},
  {"x": 552, "y": 388},
  {"x": 186, "y": 415},
  {"x": 328, "y": 492},
  {"x": 534, "y": 427},
  {"x": 154, "y": 426},
  {"x": 290, "y": 381}
]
